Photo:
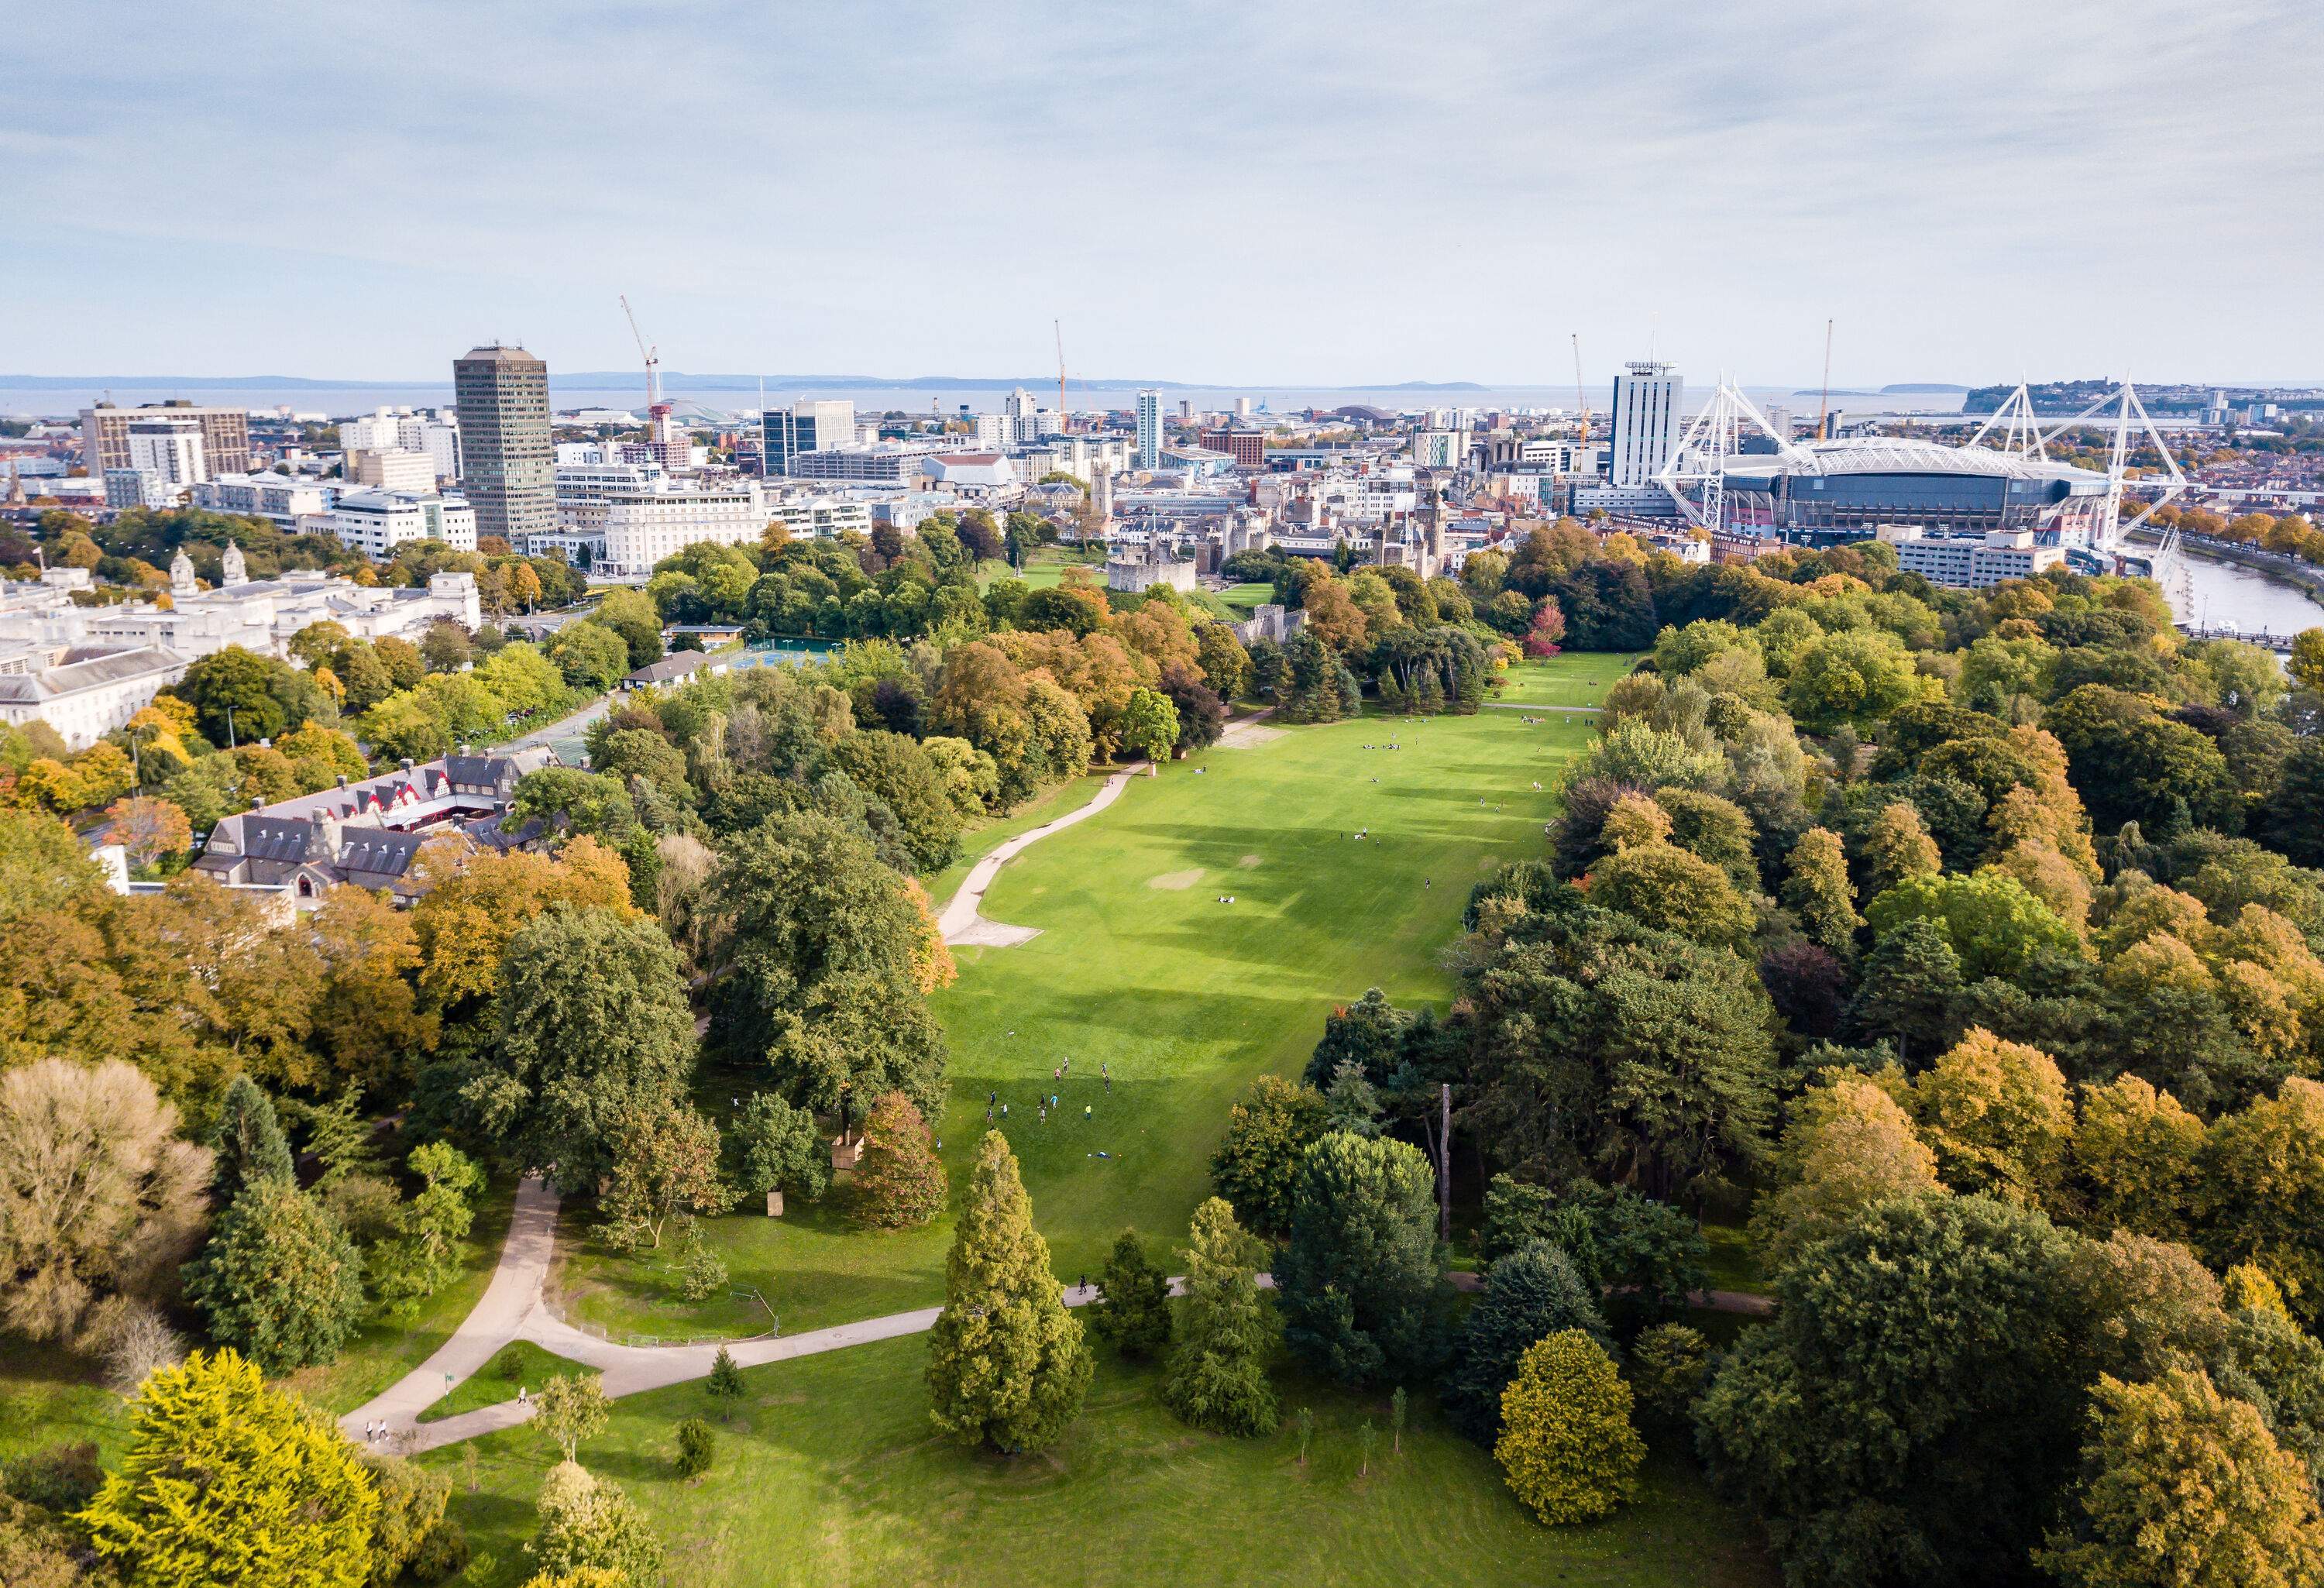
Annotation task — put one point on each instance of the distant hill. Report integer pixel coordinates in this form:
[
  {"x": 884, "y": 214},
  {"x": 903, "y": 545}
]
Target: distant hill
[
  {"x": 1920, "y": 389},
  {"x": 602, "y": 380}
]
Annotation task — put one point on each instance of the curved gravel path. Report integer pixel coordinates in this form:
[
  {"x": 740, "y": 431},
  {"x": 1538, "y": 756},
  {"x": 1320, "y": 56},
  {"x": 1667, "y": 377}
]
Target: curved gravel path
[{"x": 960, "y": 922}]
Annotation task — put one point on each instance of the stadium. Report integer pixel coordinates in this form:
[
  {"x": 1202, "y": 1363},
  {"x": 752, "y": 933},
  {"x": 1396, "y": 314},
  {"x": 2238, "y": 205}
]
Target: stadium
[{"x": 1856, "y": 485}]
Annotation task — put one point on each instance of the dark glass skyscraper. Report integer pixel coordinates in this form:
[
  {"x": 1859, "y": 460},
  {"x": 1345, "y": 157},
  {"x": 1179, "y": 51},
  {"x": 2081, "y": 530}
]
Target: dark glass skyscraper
[{"x": 508, "y": 466}]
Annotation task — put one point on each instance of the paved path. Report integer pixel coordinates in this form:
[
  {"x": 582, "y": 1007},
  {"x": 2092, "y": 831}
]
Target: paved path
[{"x": 959, "y": 923}]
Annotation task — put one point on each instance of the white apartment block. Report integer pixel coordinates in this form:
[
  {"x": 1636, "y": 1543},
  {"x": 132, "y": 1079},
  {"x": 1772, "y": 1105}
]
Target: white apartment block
[
  {"x": 375, "y": 522},
  {"x": 285, "y": 499},
  {"x": 1440, "y": 449},
  {"x": 825, "y": 518},
  {"x": 638, "y": 528},
  {"x": 1974, "y": 562},
  {"x": 169, "y": 447},
  {"x": 1647, "y": 400},
  {"x": 391, "y": 469}
]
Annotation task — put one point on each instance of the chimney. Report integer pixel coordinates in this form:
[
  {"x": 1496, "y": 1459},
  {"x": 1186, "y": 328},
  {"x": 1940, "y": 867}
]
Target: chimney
[
  {"x": 342, "y": 779},
  {"x": 256, "y": 803},
  {"x": 464, "y": 750},
  {"x": 405, "y": 763}
]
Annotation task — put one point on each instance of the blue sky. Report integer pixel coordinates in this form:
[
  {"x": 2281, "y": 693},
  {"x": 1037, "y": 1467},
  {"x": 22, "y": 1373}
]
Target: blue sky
[{"x": 1267, "y": 194}]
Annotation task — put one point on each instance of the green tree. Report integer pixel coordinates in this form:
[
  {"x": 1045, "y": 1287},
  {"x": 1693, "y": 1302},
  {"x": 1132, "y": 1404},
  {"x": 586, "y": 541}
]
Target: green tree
[
  {"x": 228, "y": 1482},
  {"x": 1818, "y": 890},
  {"x": 430, "y": 1228},
  {"x": 2181, "y": 1484},
  {"x": 1225, "y": 664},
  {"x": 1566, "y": 1444},
  {"x": 1150, "y": 724},
  {"x": 590, "y": 655},
  {"x": 821, "y": 973},
  {"x": 899, "y": 1182},
  {"x": 588, "y": 1525},
  {"x": 778, "y": 1147},
  {"x": 1993, "y": 924},
  {"x": 2261, "y": 1170},
  {"x": 665, "y": 1161},
  {"x": 1257, "y": 1164},
  {"x": 572, "y": 1407},
  {"x": 1132, "y": 1312},
  {"x": 1672, "y": 890},
  {"x": 412, "y": 1502},
  {"x": 1911, "y": 1413},
  {"x": 1360, "y": 1282},
  {"x": 279, "y": 1279},
  {"x": 725, "y": 1383},
  {"x": 1217, "y": 1374},
  {"x": 2306, "y": 664},
  {"x": 697, "y": 1447},
  {"x": 594, "y": 1030},
  {"x": 1532, "y": 1293},
  {"x": 1897, "y": 846},
  {"x": 893, "y": 767},
  {"x": 1911, "y": 978},
  {"x": 1007, "y": 1364},
  {"x": 1668, "y": 1366},
  {"x": 630, "y": 615},
  {"x": 247, "y": 1142}
]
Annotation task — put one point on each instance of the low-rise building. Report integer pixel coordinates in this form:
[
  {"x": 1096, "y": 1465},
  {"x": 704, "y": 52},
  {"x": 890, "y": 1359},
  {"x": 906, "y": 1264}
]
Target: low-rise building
[
  {"x": 85, "y": 692},
  {"x": 376, "y": 522},
  {"x": 1973, "y": 562},
  {"x": 283, "y": 499}
]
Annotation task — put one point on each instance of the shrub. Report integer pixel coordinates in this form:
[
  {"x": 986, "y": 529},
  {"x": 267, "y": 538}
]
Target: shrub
[
  {"x": 696, "y": 1446},
  {"x": 1567, "y": 1445}
]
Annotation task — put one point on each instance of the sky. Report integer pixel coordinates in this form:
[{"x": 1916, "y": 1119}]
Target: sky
[{"x": 1269, "y": 194}]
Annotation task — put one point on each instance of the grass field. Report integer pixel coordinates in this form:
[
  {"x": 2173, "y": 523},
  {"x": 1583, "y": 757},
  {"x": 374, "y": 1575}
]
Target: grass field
[
  {"x": 517, "y": 1365},
  {"x": 1245, "y": 599},
  {"x": 1184, "y": 999},
  {"x": 1043, "y": 568},
  {"x": 830, "y": 1473},
  {"x": 1575, "y": 678}
]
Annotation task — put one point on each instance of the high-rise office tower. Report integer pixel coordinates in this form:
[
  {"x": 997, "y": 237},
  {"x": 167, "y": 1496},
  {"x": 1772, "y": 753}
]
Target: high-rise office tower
[
  {"x": 508, "y": 467},
  {"x": 810, "y": 425},
  {"x": 1149, "y": 429},
  {"x": 1646, "y": 422}
]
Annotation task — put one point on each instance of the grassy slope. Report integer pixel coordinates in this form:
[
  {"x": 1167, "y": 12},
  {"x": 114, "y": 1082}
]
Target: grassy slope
[
  {"x": 830, "y": 1474},
  {"x": 1573, "y": 679},
  {"x": 1185, "y": 998}
]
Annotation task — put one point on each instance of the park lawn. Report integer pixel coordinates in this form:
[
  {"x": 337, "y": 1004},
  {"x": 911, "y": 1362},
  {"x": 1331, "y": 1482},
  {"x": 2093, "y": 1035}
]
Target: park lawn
[
  {"x": 1245, "y": 598},
  {"x": 385, "y": 1350},
  {"x": 1044, "y": 569},
  {"x": 1185, "y": 999},
  {"x": 49, "y": 1396},
  {"x": 1577, "y": 677},
  {"x": 1733, "y": 1262},
  {"x": 983, "y": 840},
  {"x": 519, "y": 1364},
  {"x": 829, "y": 1473}
]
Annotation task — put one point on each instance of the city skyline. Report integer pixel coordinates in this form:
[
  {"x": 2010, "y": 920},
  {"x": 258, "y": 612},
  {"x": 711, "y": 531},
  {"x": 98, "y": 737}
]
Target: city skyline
[{"x": 1274, "y": 200}]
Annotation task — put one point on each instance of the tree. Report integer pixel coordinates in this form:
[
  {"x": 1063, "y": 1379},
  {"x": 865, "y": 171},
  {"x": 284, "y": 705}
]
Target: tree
[
  {"x": 368, "y": 1017},
  {"x": 1993, "y": 921},
  {"x": 2181, "y": 1484},
  {"x": 1911, "y": 978},
  {"x": 822, "y": 976},
  {"x": 590, "y": 655},
  {"x": 412, "y": 1502},
  {"x": 431, "y": 1227},
  {"x": 151, "y": 830},
  {"x": 1217, "y": 1375},
  {"x": 1818, "y": 890},
  {"x": 2261, "y": 1170},
  {"x": 697, "y": 1446},
  {"x": 1848, "y": 1145},
  {"x": 665, "y": 1161},
  {"x": 1133, "y": 1312},
  {"x": 98, "y": 1196},
  {"x": 1896, "y": 846},
  {"x": 571, "y": 1408},
  {"x": 445, "y": 648},
  {"x": 778, "y": 1147},
  {"x": 893, "y": 767},
  {"x": 1854, "y": 675},
  {"x": 631, "y": 616},
  {"x": 1911, "y": 1412},
  {"x": 1996, "y": 1115},
  {"x": 1567, "y": 1445},
  {"x": 1532, "y": 1293},
  {"x": 228, "y": 1482},
  {"x": 279, "y": 1279},
  {"x": 725, "y": 1383},
  {"x": 1359, "y": 1283},
  {"x": 588, "y": 1525},
  {"x": 1148, "y": 725},
  {"x": 1007, "y": 1364},
  {"x": 2136, "y": 1159},
  {"x": 1546, "y": 629},
  {"x": 900, "y": 1182},
  {"x": 1225, "y": 664},
  {"x": 1672, "y": 890},
  {"x": 1668, "y": 1365},
  {"x": 595, "y": 1031},
  {"x": 1201, "y": 714},
  {"x": 248, "y": 1143},
  {"x": 1257, "y": 1164}
]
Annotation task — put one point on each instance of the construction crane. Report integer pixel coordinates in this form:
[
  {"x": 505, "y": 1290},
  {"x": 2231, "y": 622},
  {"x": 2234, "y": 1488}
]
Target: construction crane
[
  {"x": 1059, "y": 327},
  {"x": 1580, "y": 393},
  {"x": 1823, "y": 403},
  {"x": 653, "y": 363}
]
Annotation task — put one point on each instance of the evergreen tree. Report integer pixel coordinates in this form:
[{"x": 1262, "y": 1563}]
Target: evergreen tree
[
  {"x": 1567, "y": 1444},
  {"x": 1532, "y": 1293},
  {"x": 1133, "y": 1312},
  {"x": 1911, "y": 978},
  {"x": 1359, "y": 1283},
  {"x": 725, "y": 1383},
  {"x": 588, "y": 1523},
  {"x": 1007, "y": 1365},
  {"x": 1668, "y": 1365},
  {"x": 899, "y": 1182},
  {"x": 1818, "y": 890},
  {"x": 280, "y": 1280},
  {"x": 1257, "y": 1163},
  {"x": 249, "y": 1141},
  {"x": 1217, "y": 1378},
  {"x": 228, "y": 1482}
]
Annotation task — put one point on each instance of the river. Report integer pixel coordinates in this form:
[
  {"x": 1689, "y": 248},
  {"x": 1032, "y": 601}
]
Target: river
[{"x": 2224, "y": 595}]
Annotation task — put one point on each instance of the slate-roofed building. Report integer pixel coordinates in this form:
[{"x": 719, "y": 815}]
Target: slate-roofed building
[{"x": 369, "y": 832}]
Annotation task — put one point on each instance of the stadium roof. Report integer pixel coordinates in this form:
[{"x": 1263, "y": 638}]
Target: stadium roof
[{"x": 1906, "y": 455}]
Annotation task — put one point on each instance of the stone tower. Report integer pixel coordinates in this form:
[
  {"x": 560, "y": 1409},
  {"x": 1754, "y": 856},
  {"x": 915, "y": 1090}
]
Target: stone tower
[
  {"x": 181, "y": 574},
  {"x": 233, "y": 571}
]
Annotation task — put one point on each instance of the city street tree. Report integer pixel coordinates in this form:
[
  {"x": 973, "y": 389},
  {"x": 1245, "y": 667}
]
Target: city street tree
[
  {"x": 98, "y": 1195},
  {"x": 227, "y": 1482},
  {"x": 1530, "y": 1294},
  {"x": 594, "y": 1031},
  {"x": 1360, "y": 1282},
  {"x": 1567, "y": 1445},
  {"x": 1217, "y": 1373},
  {"x": 1007, "y": 1364},
  {"x": 1257, "y": 1163},
  {"x": 279, "y": 1280},
  {"x": 1132, "y": 1311},
  {"x": 900, "y": 1181}
]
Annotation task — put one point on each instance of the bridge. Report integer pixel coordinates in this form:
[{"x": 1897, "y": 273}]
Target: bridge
[{"x": 2279, "y": 643}]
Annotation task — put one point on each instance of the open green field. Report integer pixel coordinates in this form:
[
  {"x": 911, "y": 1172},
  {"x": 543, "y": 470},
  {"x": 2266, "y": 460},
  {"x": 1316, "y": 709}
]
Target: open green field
[
  {"x": 1140, "y": 969},
  {"x": 830, "y": 1473},
  {"x": 1043, "y": 568},
  {"x": 1246, "y": 599},
  {"x": 519, "y": 1364},
  {"x": 1575, "y": 678}
]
